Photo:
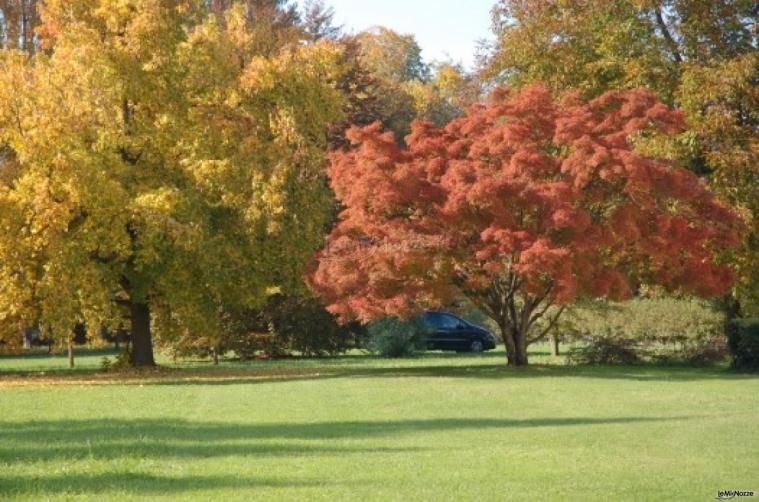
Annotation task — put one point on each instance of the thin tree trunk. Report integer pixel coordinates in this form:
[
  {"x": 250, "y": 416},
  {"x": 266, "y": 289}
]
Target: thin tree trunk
[
  {"x": 732, "y": 307},
  {"x": 554, "y": 345},
  {"x": 71, "y": 353},
  {"x": 142, "y": 344},
  {"x": 215, "y": 354},
  {"x": 11, "y": 28},
  {"x": 671, "y": 43}
]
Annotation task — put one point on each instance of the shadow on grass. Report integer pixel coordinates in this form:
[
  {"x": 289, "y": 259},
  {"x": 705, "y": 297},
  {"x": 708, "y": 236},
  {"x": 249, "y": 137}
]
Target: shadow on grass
[
  {"x": 490, "y": 365},
  {"x": 501, "y": 371},
  {"x": 102, "y": 440},
  {"x": 111, "y": 438},
  {"x": 136, "y": 483},
  {"x": 42, "y": 353},
  {"x": 641, "y": 373},
  {"x": 155, "y": 444}
]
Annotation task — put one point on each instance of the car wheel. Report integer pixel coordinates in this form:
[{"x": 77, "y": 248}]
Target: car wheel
[{"x": 476, "y": 346}]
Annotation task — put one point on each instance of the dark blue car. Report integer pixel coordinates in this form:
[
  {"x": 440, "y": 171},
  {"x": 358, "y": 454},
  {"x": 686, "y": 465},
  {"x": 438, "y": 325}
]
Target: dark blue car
[{"x": 454, "y": 333}]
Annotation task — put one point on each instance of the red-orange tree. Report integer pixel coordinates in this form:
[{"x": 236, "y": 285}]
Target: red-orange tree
[{"x": 523, "y": 206}]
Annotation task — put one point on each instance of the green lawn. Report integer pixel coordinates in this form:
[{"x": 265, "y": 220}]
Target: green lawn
[{"x": 440, "y": 427}]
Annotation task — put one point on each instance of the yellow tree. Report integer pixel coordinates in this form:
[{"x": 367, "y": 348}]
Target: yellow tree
[
  {"x": 403, "y": 85},
  {"x": 157, "y": 167},
  {"x": 270, "y": 23}
]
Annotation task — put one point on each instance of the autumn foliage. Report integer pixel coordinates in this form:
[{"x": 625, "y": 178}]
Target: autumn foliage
[
  {"x": 700, "y": 54},
  {"x": 159, "y": 163},
  {"x": 523, "y": 206}
]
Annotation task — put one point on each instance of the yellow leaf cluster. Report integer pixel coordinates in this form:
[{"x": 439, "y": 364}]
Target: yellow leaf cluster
[{"x": 151, "y": 155}]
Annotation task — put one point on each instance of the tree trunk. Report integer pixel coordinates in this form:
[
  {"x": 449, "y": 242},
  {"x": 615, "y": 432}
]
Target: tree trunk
[
  {"x": 215, "y": 354},
  {"x": 516, "y": 346},
  {"x": 554, "y": 345},
  {"x": 732, "y": 307},
  {"x": 520, "y": 337},
  {"x": 517, "y": 358},
  {"x": 142, "y": 344},
  {"x": 71, "y": 354}
]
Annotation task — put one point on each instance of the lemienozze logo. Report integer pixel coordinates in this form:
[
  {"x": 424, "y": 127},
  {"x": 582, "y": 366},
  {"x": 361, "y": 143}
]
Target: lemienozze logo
[{"x": 731, "y": 494}]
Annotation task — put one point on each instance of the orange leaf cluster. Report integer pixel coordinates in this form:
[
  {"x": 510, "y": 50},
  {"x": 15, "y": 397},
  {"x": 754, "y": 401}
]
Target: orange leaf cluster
[{"x": 549, "y": 195}]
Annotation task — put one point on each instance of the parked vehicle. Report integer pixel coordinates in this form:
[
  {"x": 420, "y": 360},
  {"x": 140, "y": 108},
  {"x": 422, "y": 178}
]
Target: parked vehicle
[{"x": 455, "y": 333}]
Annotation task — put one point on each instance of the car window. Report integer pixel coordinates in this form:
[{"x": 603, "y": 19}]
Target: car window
[
  {"x": 449, "y": 322},
  {"x": 442, "y": 321},
  {"x": 433, "y": 319}
]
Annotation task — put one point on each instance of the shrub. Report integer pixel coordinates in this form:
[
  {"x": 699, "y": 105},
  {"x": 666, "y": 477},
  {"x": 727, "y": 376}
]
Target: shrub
[
  {"x": 11, "y": 345},
  {"x": 303, "y": 325},
  {"x": 248, "y": 333},
  {"x": 285, "y": 325},
  {"x": 743, "y": 340},
  {"x": 605, "y": 350},
  {"x": 122, "y": 362},
  {"x": 394, "y": 337},
  {"x": 665, "y": 329}
]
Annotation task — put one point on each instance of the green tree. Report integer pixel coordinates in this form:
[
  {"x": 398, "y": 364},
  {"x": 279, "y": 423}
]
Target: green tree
[
  {"x": 445, "y": 96},
  {"x": 392, "y": 56},
  {"x": 362, "y": 91},
  {"x": 159, "y": 168},
  {"x": 319, "y": 20}
]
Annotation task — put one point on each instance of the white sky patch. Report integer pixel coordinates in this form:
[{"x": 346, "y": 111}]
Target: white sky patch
[{"x": 445, "y": 29}]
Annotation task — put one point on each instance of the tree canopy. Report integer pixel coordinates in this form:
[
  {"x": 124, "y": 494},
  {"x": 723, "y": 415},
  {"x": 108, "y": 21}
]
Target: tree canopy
[
  {"x": 158, "y": 164},
  {"x": 699, "y": 55},
  {"x": 522, "y": 206},
  {"x": 390, "y": 82}
]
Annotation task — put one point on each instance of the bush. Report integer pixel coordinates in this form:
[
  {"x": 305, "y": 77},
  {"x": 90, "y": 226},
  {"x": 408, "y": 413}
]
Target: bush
[
  {"x": 282, "y": 327},
  {"x": 665, "y": 329},
  {"x": 286, "y": 325},
  {"x": 122, "y": 362},
  {"x": 11, "y": 345},
  {"x": 743, "y": 341},
  {"x": 303, "y": 325},
  {"x": 605, "y": 350},
  {"x": 393, "y": 337},
  {"x": 249, "y": 334}
]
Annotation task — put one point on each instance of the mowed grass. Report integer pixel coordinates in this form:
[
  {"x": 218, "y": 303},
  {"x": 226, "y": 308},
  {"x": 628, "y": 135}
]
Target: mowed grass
[{"x": 439, "y": 427}]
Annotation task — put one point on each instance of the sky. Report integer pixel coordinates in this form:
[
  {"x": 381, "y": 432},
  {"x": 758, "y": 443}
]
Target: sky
[{"x": 445, "y": 29}]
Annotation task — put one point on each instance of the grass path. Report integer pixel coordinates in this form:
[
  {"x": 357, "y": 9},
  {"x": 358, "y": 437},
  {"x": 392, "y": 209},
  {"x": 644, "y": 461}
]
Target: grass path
[{"x": 434, "y": 428}]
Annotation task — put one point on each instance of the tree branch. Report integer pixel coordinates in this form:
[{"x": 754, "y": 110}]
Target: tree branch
[
  {"x": 483, "y": 305},
  {"x": 539, "y": 314},
  {"x": 673, "y": 47},
  {"x": 549, "y": 328}
]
